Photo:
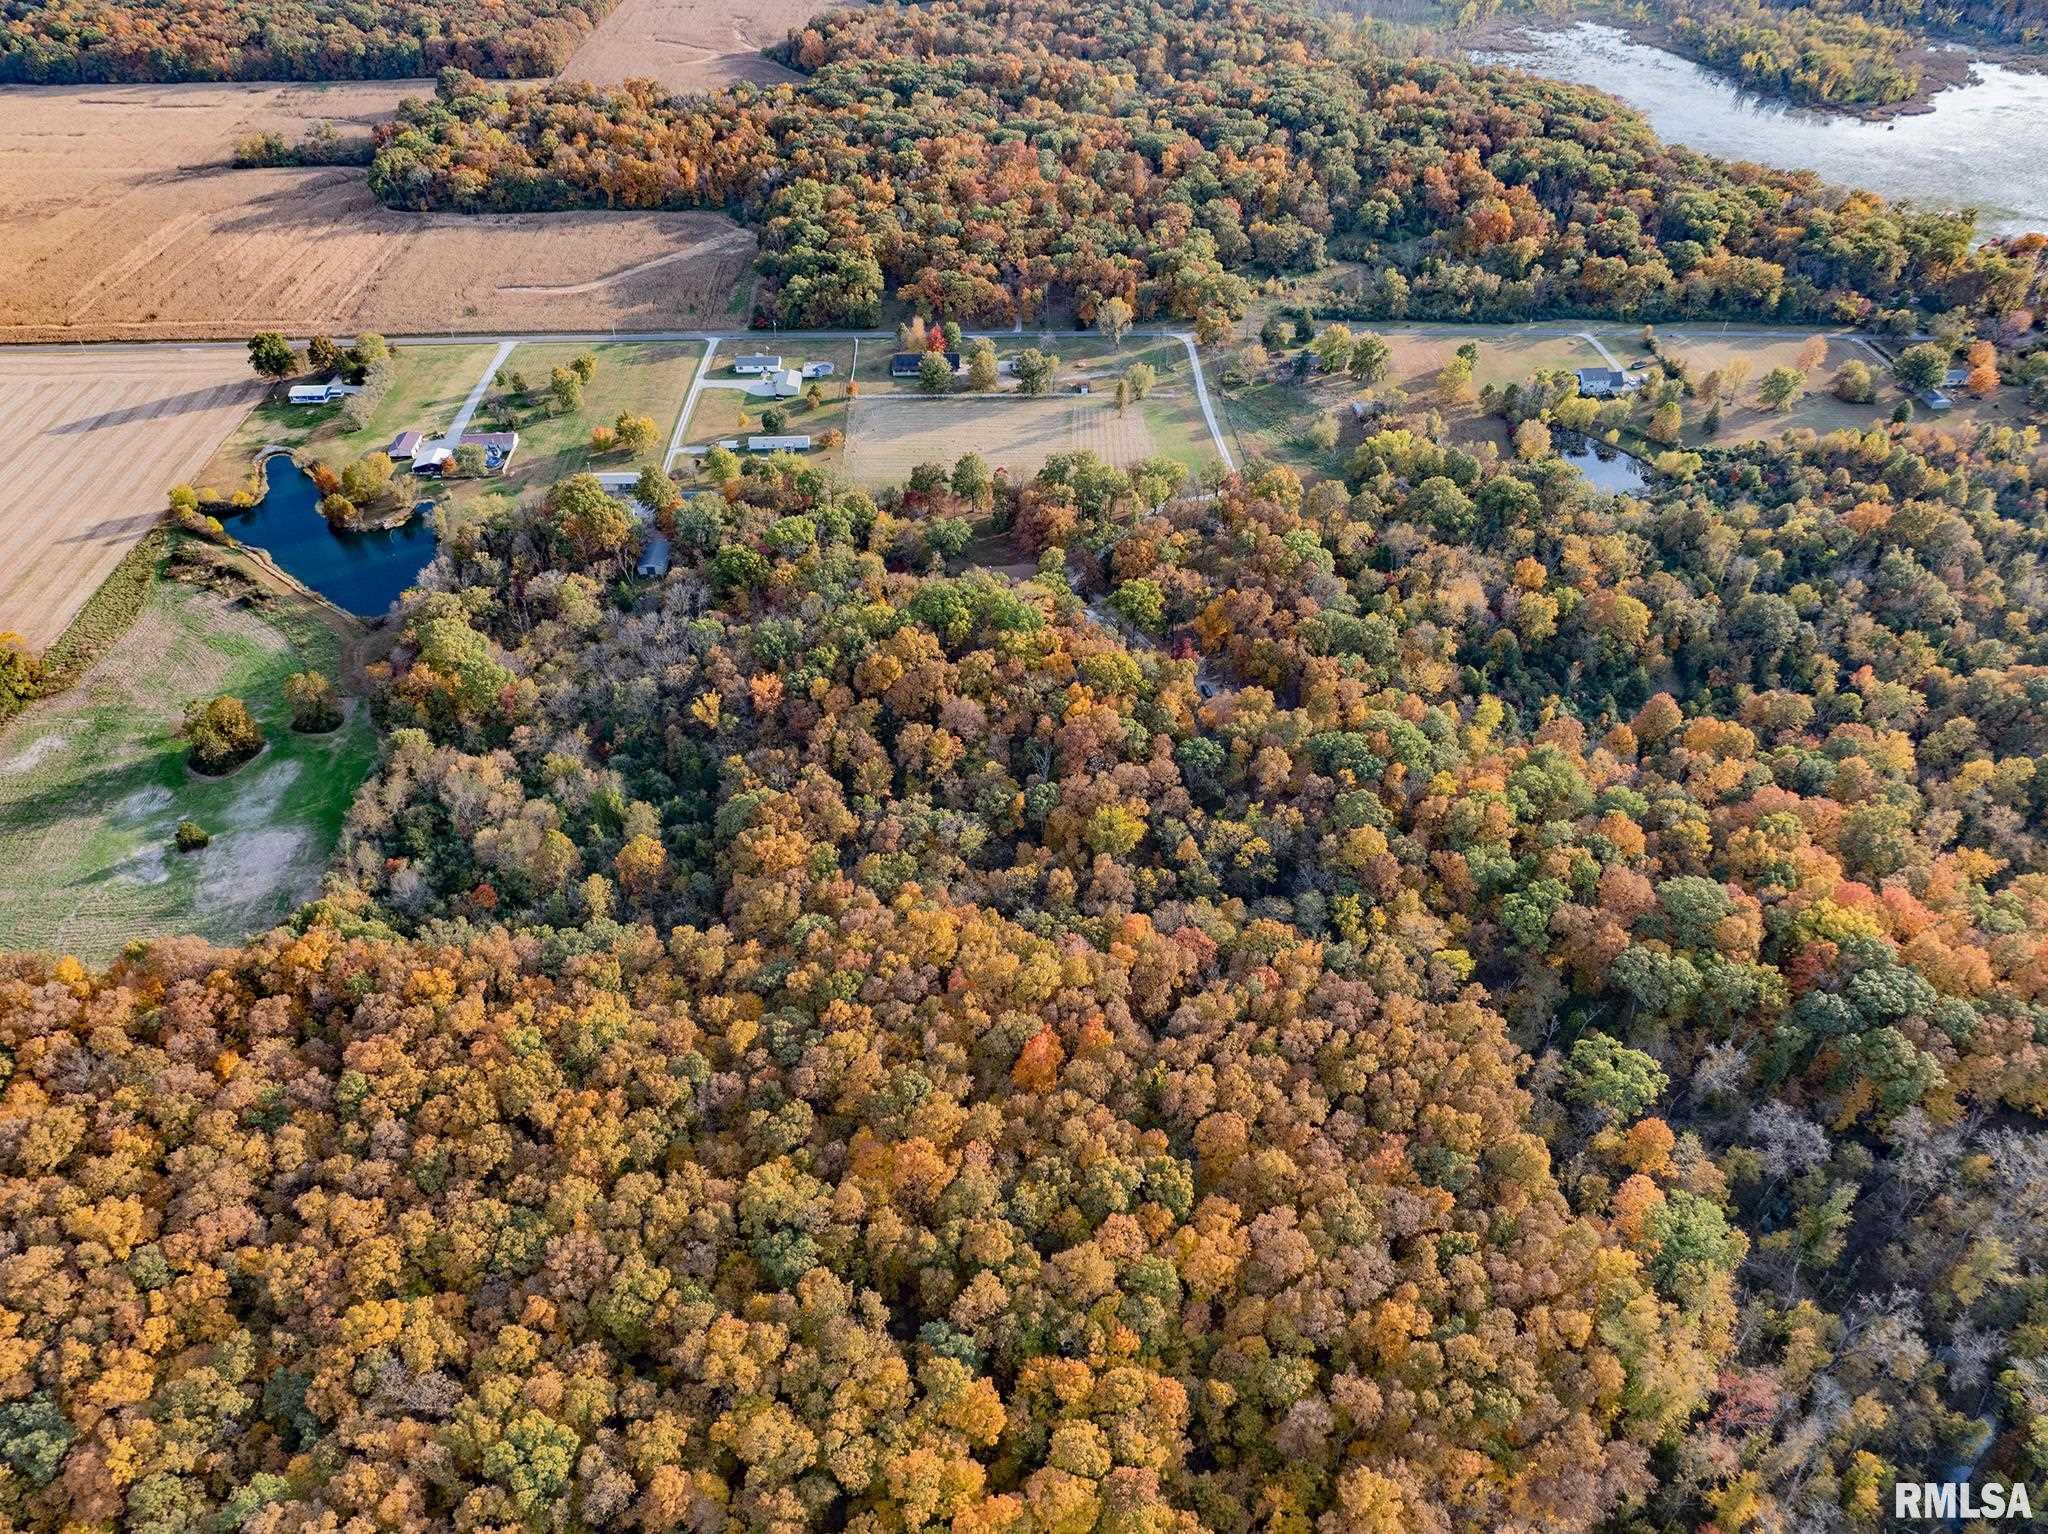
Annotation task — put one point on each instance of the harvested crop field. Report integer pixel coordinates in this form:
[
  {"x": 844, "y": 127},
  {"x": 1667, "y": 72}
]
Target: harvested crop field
[
  {"x": 126, "y": 223},
  {"x": 89, "y": 443},
  {"x": 689, "y": 45},
  {"x": 891, "y": 436}
]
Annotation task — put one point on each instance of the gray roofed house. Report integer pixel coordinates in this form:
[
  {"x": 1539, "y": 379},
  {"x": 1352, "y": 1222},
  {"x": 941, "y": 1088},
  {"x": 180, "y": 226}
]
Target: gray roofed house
[
  {"x": 1605, "y": 383},
  {"x": 757, "y": 362}
]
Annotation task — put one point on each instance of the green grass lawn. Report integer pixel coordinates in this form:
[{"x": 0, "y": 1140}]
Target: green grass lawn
[
  {"x": 93, "y": 784},
  {"x": 723, "y": 412},
  {"x": 428, "y": 388},
  {"x": 632, "y": 378}
]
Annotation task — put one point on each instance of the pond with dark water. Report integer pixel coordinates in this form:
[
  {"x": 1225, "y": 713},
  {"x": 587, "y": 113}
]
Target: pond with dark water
[
  {"x": 363, "y": 572},
  {"x": 1978, "y": 145},
  {"x": 1608, "y": 468}
]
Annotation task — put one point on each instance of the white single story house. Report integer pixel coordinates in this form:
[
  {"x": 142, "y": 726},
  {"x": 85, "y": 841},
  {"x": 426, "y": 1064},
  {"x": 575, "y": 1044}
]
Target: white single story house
[
  {"x": 1607, "y": 383},
  {"x": 756, "y": 363},
  {"x": 433, "y": 460},
  {"x": 324, "y": 393},
  {"x": 787, "y": 444},
  {"x": 786, "y": 384}
]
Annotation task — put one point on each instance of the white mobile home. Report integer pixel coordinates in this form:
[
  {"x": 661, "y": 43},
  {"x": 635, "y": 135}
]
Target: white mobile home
[{"x": 756, "y": 363}]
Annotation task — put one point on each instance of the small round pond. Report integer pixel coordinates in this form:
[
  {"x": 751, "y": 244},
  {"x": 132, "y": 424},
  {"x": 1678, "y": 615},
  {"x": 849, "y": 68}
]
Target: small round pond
[{"x": 363, "y": 572}]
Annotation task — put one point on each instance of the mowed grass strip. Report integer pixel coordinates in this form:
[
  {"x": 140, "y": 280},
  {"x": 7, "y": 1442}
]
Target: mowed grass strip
[{"x": 93, "y": 784}]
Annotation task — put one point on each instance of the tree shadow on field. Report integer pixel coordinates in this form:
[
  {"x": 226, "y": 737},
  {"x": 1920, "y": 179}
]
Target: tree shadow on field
[
  {"x": 108, "y": 529},
  {"x": 97, "y": 793},
  {"x": 208, "y": 398}
]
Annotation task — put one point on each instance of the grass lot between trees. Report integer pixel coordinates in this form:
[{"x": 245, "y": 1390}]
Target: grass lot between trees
[
  {"x": 883, "y": 444},
  {"x": 93, "y": 781},
  {"x": 1269, "y": 413},
  {"x": 430, "y": 385}
]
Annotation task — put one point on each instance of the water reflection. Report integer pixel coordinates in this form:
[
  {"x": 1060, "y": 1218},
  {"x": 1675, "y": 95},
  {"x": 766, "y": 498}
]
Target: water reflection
[
  {"x": 363, "y": 572},
  {"x": 1608, "y": 468},
  {"x": 1979, "y": 145}
]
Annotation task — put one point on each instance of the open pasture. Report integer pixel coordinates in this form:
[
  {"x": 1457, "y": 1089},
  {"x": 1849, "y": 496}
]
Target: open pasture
[
  {"x": 892, "y": 435},
  {"x": 93, "y": 784},
  {"x": 90, "y": 441}
]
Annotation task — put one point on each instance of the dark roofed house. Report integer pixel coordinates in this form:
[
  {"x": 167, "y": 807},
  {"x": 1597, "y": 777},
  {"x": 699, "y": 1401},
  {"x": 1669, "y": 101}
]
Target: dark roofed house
[
  {"x": 1955, "y": 378},
  {"x": 906, "y": 364},
  {"x": 653, "y": 558},
  {"x": 498, "y": 446}
]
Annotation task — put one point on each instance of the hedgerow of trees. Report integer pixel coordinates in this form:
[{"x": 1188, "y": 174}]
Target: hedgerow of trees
[{"x": 62, "y": 42}]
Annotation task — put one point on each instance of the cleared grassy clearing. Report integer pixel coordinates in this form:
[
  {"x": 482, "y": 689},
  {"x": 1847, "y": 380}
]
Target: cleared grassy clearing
[
  {"x": 93, "y": 783},
  {"x": 1270, "y": 417},
  {"x": 631, "y": 378},
  {"x": 429, "y": 385},
  {"x": 723, "y": 412}
]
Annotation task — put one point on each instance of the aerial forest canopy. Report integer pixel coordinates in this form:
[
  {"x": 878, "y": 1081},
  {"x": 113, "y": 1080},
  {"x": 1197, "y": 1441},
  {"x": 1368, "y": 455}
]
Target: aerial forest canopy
[
  {"x": 61, "y": 42},
  {"x": 989, "y": 158},
  {"x": 1436, "y": 1001}
]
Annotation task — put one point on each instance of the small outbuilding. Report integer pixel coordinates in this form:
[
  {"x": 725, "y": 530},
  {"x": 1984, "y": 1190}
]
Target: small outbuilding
[
  {"x": 1937, "y": 401},
  {"x": 787, "y": 384},
  {"x": 319, "y": 394},
  {"x": 433, "y": 460},
  {"x": 654, "y": 558},
  {"x": 405, "y": 446}
]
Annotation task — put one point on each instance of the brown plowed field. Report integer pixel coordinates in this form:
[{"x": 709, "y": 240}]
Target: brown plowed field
[
  {"x": 123, "y": 223},
  {"x": 89, "y": 443},
  {"x": 690, "y": 45}
]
